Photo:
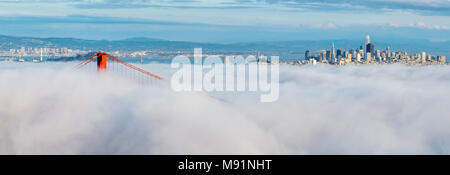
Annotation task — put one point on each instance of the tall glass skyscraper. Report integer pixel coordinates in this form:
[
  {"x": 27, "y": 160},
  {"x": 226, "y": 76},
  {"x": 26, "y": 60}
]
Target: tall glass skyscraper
[{"x": 370, "y": 48}]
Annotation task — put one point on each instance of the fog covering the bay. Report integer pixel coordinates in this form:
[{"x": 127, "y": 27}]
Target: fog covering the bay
[{"x": 391, "y": 109}]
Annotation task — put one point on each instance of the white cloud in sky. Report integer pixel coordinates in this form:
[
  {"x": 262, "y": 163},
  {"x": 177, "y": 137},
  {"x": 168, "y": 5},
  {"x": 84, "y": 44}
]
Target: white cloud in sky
[
  {"x": 328, "y": 25},
  {"x": 423, "y": 25},
  {"x": 391, "y": 109}
]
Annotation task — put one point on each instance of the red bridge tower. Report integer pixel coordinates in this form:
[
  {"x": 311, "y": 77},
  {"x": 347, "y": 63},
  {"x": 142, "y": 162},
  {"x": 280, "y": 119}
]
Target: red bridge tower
[{"x": 102, "y": 59}]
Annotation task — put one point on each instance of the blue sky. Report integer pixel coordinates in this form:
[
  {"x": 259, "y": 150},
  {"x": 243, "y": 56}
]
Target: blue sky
[{"x": 228, "y": 20}]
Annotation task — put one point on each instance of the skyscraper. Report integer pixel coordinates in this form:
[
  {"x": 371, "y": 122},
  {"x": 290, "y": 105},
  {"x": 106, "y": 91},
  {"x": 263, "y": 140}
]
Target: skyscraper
[
  {"x": 367, "y": 41},
  {"x": 370, "y": 48},
  {"x": 388, "y": 52},
  {"x": 339, "y": 53},
  {"x": 323, "y": 55},
  {"x": 333, "y": 54},
  {"x": 358, "y": 57},
  {"x": 307, "y": 55},
  {"x": 368, "y": 56},
  {"x": 442, "y": 59},
  {"x": 423, "y": 56},
  {"x": 328, "y": 56}
]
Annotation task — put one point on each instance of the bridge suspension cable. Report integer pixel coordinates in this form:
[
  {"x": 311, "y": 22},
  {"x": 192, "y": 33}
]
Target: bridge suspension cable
[
  {"x": 120, "y": 67},
  {"x": 125, "y": 69}
]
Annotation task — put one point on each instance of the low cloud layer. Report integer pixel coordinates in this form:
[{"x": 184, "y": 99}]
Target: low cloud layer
[{"x": 49, "y": 109}]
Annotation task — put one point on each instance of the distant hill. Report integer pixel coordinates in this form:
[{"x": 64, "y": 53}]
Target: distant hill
[
  {"x": 7, "y": 42},
  {"x": 141, "y": 39}
]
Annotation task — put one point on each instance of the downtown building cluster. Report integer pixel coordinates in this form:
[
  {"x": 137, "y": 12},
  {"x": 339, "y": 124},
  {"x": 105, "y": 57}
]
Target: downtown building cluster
[
  {"x": 23, "y": 52},
  {"x": 366, "y": 54}
]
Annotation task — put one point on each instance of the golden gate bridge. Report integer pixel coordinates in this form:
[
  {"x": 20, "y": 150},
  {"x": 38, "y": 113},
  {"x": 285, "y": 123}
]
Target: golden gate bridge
[
  {"x": 108, "y": 63},
  {"x": 120, "y": 67}
]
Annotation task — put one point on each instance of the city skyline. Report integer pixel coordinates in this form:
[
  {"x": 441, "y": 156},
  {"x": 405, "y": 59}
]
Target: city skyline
[{"x": 367, "y": 54}]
